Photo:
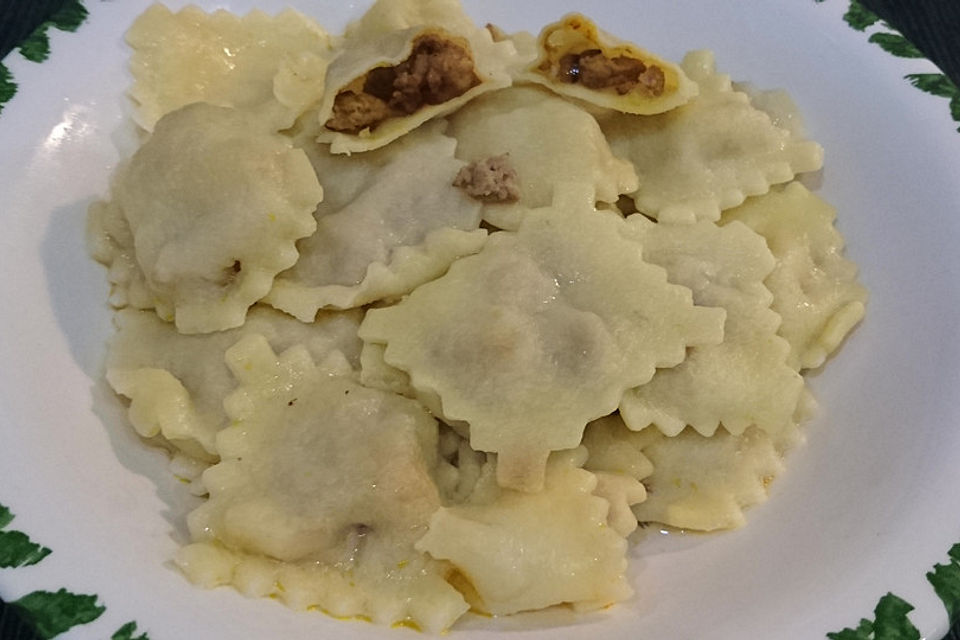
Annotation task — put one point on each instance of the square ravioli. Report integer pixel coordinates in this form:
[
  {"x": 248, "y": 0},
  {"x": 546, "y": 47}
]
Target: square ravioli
[
  {"x": 390, "y": 220},
  {"x": 541, "y": 332},
  {"x": 227, "y": 60},
  {"x": 711, "y": 153}
]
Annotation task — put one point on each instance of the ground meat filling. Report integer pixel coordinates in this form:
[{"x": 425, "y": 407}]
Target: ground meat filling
[
  {"x": 594, "y": 70},
  {"x": 490, "y": 180},
  {"x": 437, "y": 70}
]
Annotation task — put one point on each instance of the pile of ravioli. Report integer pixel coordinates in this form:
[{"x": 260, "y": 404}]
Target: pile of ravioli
[{"x": 401, "y": 401}]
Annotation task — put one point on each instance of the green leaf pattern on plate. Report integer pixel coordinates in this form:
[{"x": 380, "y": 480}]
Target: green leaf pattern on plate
[
  {"x": 50, "y": 613},
  {"x": 126, "y": 633},
  {"x": 938, "y": 84},
  {"x": 896, "y": 44},
  {"x": 36, "y": 46},
  {"x": 859, "y": 17},
  {"x": 891, "y": 621},
  {"x": 945, "y": 579},
  {"x": 7, "y": 86},
  {"x": 16, "y": 548}
]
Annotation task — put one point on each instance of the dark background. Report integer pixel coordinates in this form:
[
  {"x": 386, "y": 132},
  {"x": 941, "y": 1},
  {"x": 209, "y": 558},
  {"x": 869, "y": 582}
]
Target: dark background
[{"x": 932, "y": 25}]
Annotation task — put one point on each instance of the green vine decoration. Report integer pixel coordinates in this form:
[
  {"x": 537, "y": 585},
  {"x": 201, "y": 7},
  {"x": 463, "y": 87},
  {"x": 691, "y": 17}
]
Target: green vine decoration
[
  {"x": 49, "y": 613},
  {"x": 861, "y": 18},
  {"x": 36, "y": 46},
  {"x": 891, "y": 621}
]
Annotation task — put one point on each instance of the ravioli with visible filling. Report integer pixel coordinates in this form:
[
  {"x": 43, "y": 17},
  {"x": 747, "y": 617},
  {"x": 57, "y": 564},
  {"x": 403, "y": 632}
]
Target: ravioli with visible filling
[
  {"x": 215, "y": 204},
  {"x": 815, "y": 289},
  {"x": 578, "y": 60},
  {"x": 403, "y": 63},
  {"x": 541, "y": 332},
  {"x": 709, "y": 154},
  {"x": 524, "y": 125},
  {"x": 330, "y": 477},
  {"x": 743, "y": 381},
  {"x": 390, "y": 220}
]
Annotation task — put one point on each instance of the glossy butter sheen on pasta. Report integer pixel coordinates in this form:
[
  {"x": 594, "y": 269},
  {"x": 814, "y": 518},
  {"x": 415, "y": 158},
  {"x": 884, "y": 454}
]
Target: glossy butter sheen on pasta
[{"x": 423, "y": 354}]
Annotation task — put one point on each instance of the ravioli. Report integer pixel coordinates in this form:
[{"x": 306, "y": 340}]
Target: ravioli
[
  {"x": 367, "y": 497},
  {"x": 215, "y": 205},
  {"x": 403, "y": 63},
  {"x": 815, "y": 289},
  {"x": 529, "y": 551},
  {"x": 110, "y": 242},
  {"x": 227, "y": 60},
  {"x": 390, "y": 220},
  {"x": 710, "y": 154},
  {"x": 176, "y": 383},
  {"x": 522, "y": 123},
  {"x": 578, "y": 60},
  {"x": 744, "y": 381},
  {"x": 539, "y": 333},
  {"x": 706, "y": 483},
  {"x": 432, "y": 317}
]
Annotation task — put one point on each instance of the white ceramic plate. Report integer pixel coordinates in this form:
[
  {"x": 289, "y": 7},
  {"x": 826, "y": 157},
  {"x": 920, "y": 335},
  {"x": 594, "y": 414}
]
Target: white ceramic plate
[{"x": 867, "y": 506}]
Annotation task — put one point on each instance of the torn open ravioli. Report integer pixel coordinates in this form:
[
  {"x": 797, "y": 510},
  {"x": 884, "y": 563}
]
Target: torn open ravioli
[
  {"x": 578, "y": 60},
  {"x": 539, "y": 333},
  {"x": 547, "y": 141},
  {"x": 815, "y": 289},
  {"x": 231, "y": 61},
  {"x": 403, "y": 63},
  {"x": 709, "y": 154},
  {"x": 176, "y": 383},
  {"x": 706, "y": 483},
  {"x": 331, "y": 479},
  {"x": 390, "y": 220},
  {"x": 215, "y": 204},
  {"x": 527, "y": 551},
  {"x": 744, "y": 381}
]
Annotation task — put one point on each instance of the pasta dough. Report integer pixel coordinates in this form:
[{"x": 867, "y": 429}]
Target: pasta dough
[
  {"x": 522, "y": 123},
  {"x": 177, "y": 383},
  {"x": 706, "y": 483},
  {"x": 710, "y": 154},
  {"x": 741, "y": 382},
  {"x": 391, "y": 219},
  {"x": 815, "y": 288},
  {"x": 536, "y": 335},
  {"x": 289, "y": 415},
  {"x": 222, "y": 59},
  {"x": 215, "y": 204},
  {"x": 529, "y": 551}
]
